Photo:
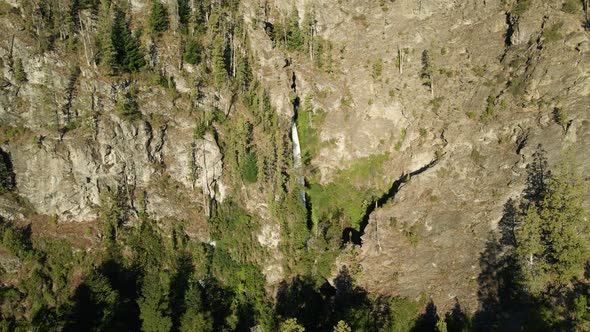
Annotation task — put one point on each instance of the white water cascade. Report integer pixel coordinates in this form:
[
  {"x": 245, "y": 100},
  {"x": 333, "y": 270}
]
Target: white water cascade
[{"x": 297, "y": 156}]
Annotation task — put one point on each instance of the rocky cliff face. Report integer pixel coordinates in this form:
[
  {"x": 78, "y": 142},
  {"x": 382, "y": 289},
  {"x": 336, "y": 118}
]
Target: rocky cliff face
[
  {"x": 499, "y": 79},
  {"x": 475, "y": 85},
  {"x": 64, "y": 172}
]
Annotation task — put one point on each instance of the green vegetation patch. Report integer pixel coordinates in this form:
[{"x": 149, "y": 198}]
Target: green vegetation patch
[
  {"x": 436, "y": 103},
  {"x": 552, "y": 34},
  {"x": 571, "y": 6},
  {"x": 348, "y": 195},
  {"x": 377, "y": 68},
  {"x": 521, "y": 7},
  {"x": 309, "y": 120}
]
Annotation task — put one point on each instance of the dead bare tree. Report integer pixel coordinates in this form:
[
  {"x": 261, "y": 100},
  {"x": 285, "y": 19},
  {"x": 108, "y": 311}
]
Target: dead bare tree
[
  {"x": 428, "y": 71},
  {"x": 400, "y": 59},
  {"x": 586, "y": 18}
]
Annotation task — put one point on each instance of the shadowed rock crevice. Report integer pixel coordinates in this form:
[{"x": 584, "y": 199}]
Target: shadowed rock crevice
[{"x": 350, "y": 234}]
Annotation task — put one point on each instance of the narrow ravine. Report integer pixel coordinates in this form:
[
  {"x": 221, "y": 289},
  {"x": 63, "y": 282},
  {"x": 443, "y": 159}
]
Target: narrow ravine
[
  {"x": 297, "y": 163},
  {"x": 350, "y": 234}
]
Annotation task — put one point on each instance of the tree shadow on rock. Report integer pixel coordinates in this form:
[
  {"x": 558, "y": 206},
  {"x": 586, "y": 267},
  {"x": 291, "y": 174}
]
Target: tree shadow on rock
[
  {"x": 218, "y": 300},
  {"x": 178, "y": 287},
  {"x": 352, "y": 304},
  {"x": 106, "y": 300},
  {"x": 300, "y": 299},
  {"x": 504, "y": 304},
  {"x": 457, "y": 320},
  {"x": 7, "y": 176},
  {"x": 321, "y": 308},
  {"x": 537, "y": 175},
  {"x": 490, "y": 285},
  {"x": 508, "y": 224},
  {"x": 426, "y": 322}
]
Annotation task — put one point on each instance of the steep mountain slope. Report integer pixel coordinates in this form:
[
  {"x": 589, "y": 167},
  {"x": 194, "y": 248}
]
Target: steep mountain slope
[{"x": 417, "y": 121}]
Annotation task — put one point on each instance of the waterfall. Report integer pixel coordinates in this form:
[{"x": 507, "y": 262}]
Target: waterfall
[{"x": 297, "y": 156}]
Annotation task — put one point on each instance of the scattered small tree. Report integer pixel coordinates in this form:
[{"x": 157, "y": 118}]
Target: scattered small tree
[
  {"x": 428, "y": 71},
  {"x": 291, "y": 325},
  {"x": 127, "y": 105},
  {"x": 192, "y": 52},
  {"x": 342, "y": 327},
  {"x": 184, "y": 14},
  {"x": 249, "y": 168},
  {"x": 244, "y": 73},
  {"x": 377, "y": 68},
  {"x": 6, "y": 173},
  {"x": 571, "y": 6},
  {"x": 20, "y": 76},
  {"x": 309, "y": 30},
  {"x": 441, "y": 325}
]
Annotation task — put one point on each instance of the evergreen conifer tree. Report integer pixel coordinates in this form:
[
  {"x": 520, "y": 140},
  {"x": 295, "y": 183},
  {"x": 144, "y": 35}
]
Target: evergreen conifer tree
[
  {"x": 129, "y": 56},
  {"x": 244, "y": 73},
  {"x": 342, "y": 327},
  {"x": 153, "y": 304},
  {"x": 184, "y": 13},
  {"x": 195, "y": 318},
  {"x": 295, "y": 37},
  {"x": 220, "y": 74},
  {"x": 158, "y": 20},
  {"x": 133, "y": 60},
  {"x": 551, "y": 246},
  {"x": 107, "y": 54},
  {"x": 192, "y": 52}
]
